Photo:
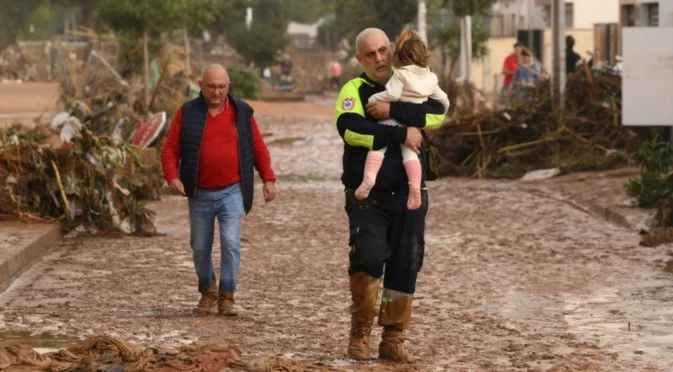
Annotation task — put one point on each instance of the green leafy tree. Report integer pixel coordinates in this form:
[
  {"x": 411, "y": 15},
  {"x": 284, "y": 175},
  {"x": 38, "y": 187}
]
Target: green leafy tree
[
  {"x": 14, "y": 18},
  {"x": 87, "y": 8},
  {"x": 448, "y": 35},
  {"x": 462, "y": 8},
  {"x": 306, "y": 11},
  {"x": 352, "y": 16},
  {"x": 228, "y": 18},
  {"x": 448, "y": 41},
  {"x": 149, "y": 18},
  {"x": 266, "y": 35},
  {"x": 259, "y": 45}
]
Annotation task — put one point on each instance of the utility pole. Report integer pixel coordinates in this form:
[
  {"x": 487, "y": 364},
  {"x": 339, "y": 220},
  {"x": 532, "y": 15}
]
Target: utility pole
[
  {"x": 558, "y": 53},
  {"x": 529, "y": 23},
  {"x": 517, "y": 21},
  {"x": 422, "y": 23},
  {"x": 465, "y": 46},
  {"x": 468, "y": 46},
  {"x": 188, "y": 52}
]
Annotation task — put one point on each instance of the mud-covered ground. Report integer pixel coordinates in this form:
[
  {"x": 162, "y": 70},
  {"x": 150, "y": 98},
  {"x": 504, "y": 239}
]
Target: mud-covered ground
[{"x": 515, "y": 278}]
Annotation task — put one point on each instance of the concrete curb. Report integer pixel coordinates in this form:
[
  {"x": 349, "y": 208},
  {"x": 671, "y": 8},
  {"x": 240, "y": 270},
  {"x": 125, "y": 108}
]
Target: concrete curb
[
  {"x": 590, "y": 208},
  {"x": 29, "y": 254}
]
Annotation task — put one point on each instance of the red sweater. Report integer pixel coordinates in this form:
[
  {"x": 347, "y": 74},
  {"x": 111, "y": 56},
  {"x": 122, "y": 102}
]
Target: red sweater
[
  {"x": 219, "y": 164},
  {"x": 511, "y": 64}
]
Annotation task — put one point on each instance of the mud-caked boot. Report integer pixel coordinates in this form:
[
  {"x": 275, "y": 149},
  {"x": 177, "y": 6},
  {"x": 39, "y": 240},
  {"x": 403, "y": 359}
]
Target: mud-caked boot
[
  {"x": 225, "y": 304},
  {"x": 364, "y": 293},
  {"x": 394, "y": 316},
  {"x": 208, "y": 299}
]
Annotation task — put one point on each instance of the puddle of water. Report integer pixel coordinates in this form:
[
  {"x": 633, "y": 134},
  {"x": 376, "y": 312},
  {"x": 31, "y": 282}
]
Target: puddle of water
[
  {"x": 635, "y": 319},
  {"x": 42, "y": 343}
]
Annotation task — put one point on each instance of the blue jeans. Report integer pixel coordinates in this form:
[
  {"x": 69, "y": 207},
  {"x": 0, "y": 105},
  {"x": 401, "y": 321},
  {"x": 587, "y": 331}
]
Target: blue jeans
[{"x": 227, "y": 205}]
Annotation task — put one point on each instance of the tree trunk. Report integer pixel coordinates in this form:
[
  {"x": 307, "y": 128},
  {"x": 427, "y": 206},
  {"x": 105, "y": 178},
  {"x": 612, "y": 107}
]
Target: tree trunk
[{"x": 146, "y": 58}]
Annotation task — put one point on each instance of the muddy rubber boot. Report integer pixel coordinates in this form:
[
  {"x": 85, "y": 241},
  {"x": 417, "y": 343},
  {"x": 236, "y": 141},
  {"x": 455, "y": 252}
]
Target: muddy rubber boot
[
  {"x": 208, "y": 299},
  {"x": 364, "y": 292},
  {"x": 225, "y": 304},
  {"x": 395, "y": 317}
]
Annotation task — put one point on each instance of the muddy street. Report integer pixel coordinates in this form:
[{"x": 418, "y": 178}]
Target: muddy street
[{"x": 514, "y": 279}]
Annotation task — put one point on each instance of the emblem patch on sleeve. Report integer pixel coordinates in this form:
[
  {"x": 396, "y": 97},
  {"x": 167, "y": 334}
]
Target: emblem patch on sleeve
[{"x": 348, "y": 104}]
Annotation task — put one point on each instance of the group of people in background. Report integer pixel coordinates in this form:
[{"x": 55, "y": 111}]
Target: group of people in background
[{"x": 522, "y": 71}]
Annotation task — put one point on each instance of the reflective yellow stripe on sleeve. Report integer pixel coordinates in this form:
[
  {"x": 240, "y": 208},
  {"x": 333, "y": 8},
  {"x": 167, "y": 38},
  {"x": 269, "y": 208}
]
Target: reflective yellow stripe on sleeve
[
  {"x": 433, "y": 121},
  {"x": 357, "y": 139}
]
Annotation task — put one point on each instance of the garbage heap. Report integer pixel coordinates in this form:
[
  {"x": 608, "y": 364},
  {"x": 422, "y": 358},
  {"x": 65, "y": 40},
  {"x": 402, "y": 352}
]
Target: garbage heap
[{"x": 528, "y": 135}]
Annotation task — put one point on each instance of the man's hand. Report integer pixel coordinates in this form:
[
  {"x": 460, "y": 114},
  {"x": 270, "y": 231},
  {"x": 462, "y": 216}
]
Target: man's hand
[
  {"x": 414, "y": 139},
  {"x": 380, "y": 110},
  {"x": 177, "y": 188},
  {"x": 269, "y": 190}
]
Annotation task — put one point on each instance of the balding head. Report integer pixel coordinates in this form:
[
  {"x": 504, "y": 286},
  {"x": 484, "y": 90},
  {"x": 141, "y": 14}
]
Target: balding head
[
  {"x": 214, "y": 83},
  {"x": 367, "y": 34},
  {"x": 374, "y": 52},
  {"x": 214, "y": 68}
]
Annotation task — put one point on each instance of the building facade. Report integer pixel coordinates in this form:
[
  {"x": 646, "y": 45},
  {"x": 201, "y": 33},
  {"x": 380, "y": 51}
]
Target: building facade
[{"x": 646, "y": 13}]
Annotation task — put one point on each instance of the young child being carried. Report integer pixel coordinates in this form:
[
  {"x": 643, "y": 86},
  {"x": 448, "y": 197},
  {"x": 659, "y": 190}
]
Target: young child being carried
[{"x": 412, "y": 82}]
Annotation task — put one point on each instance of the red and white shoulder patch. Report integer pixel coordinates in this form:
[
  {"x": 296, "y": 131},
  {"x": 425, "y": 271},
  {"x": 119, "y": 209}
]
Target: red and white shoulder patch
[{"x": 348, "y": 104}]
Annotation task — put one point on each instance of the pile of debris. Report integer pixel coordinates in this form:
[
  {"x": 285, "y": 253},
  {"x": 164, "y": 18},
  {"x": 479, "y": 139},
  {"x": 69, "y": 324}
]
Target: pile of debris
[
  {"x": 103, "y": 353},
  {"x": 85, "y": 183},
  {"x": 104, "y": 164},
  {"x": 530, "y": 135}
]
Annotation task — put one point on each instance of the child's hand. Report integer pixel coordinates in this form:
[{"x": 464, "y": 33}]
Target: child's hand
[{"x": 380, "y": 110}]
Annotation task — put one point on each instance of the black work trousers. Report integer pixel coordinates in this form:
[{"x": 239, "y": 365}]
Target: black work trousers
[{"x": 385, "y": 235}]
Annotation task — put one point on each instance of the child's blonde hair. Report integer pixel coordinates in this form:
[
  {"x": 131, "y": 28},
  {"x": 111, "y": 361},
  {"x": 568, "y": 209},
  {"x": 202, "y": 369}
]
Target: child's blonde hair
[{"x": 410, "y": 50}]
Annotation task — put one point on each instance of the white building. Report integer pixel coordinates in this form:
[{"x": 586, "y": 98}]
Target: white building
[
  {"x": 583, "y": 14},
  {"x": 647, "y": 31},
  {"x": 304, "y": 35},
  {"x": 510, "y": 15},
  {"x": 646, "y": 13},
  {"x": 507, "y": 16}
]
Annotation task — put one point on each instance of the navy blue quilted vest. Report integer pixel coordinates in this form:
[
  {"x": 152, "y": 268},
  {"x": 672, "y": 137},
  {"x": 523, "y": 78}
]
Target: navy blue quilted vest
[{"x": 194, "y": 115}]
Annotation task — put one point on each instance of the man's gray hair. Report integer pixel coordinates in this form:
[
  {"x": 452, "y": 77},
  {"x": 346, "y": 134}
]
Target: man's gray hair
[
  {"x": 367, "y": 32},
  {"x": 205, "y": 69}
]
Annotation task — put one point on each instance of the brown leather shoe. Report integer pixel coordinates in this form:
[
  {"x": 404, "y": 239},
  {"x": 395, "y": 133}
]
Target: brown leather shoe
[
  {"x": 225, "y": 304},
  {"x": 208, "y": 299},
  {"x": 364, "y": 292}
]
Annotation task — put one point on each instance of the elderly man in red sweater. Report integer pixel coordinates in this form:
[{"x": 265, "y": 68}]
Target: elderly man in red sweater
[{"x": 216, "y": 143}]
